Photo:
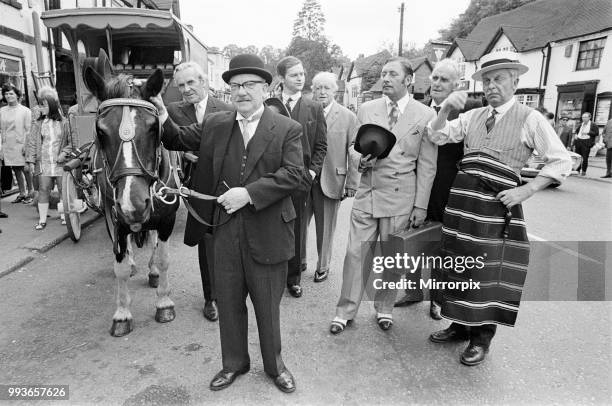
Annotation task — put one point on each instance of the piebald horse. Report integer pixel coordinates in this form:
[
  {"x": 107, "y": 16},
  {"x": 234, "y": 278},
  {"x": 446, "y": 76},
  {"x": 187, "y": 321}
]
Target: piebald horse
[{"x": 133, "y": 165}]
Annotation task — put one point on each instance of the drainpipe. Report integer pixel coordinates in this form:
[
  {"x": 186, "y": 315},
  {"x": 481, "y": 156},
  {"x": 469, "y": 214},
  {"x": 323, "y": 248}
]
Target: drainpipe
[
  {"x": 544, "y": 71},
  {"x": 37, "y": 42}
]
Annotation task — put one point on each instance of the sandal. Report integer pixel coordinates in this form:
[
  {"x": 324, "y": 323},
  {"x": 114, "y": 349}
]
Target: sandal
[{"x": 40, "y": 226}]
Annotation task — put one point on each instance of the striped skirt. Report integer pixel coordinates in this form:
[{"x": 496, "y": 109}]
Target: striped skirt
[{"x": 479, "y": 226}]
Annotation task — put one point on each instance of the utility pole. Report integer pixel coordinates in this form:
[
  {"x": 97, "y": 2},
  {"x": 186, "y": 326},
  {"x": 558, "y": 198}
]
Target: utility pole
[{"x": 399, "y": 51}]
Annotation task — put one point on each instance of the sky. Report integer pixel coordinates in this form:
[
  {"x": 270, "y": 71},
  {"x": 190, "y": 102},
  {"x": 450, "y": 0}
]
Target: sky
[{"x": 357, "y": 26}]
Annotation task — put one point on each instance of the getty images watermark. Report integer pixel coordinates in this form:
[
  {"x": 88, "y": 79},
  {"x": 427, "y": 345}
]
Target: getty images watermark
[{"x": 409, "y": 264}]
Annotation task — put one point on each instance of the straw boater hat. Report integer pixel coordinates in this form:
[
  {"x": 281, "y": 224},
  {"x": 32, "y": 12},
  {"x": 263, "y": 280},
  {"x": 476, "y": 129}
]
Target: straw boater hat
[
  {"x": 246, "y": 63},
  {"x": 499, "y": 60}
]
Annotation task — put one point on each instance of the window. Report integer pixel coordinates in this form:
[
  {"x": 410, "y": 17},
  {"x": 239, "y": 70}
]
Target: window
[
  {"x": 355, "y": 91},
  {"x": 589, "y": 54},
  {"x": 529, "y": 100}
]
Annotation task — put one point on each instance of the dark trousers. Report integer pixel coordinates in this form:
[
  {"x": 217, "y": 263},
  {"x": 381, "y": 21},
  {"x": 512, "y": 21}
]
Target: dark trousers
[
  {"x": 609, "y": 161},
  {"x": 479, "y": 335},
  {"x": 206, "y": 267},
  {"x": 297, "y": 264},
  {"x": 236, "y": 276},
  {"x": 583, "y": 148}
]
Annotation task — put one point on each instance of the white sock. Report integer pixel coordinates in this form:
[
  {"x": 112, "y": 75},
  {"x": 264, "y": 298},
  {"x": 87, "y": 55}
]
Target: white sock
[
  {"x": 43, "y": 208},
  {"x": 60, "y": 209}
]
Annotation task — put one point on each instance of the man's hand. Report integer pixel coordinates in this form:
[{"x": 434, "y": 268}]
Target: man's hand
[
  {"x": 159, "y": 103},
  {"x": 348, "y": 192},
  {"x": 366, "y": 163},
  {"x": 454, "y": 101},
  {"x": 517, "y": 195},
  {"x": 234, "y": 199},
  {"x": 417, "y": 216}
]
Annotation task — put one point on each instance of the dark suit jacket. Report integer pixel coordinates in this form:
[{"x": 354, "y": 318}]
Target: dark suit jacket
[
  {"x": 314, "y": 143},
  {"x": 593, "y": 132},
  {"x": 273, "y": 170}
]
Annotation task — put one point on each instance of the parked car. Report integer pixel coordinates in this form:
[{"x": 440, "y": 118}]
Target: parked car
[{"x": 535, "y": 164}]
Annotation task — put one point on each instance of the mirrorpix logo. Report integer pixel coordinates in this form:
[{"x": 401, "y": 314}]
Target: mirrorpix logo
[{"x": 404, "y": 263}]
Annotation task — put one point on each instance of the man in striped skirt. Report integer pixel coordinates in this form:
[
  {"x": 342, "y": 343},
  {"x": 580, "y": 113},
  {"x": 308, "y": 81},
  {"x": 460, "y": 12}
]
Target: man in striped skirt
[{"x": 483, "y": 219}]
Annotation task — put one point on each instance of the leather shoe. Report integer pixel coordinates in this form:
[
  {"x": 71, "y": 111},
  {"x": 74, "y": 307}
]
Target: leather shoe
[
  {"x": 210, "y": 310},
  {"x": 448, "y": 335},
  {"x": 285, "y": 381},
  {"x": 320, "y": 276},
  {"x": 435, "y": 312},
  {"x": 409, "y": 299},
  {"x": 607, "y": 176},
  {"x": 224, "y": 378},
  {"x": 3, "y": 215},
  {"x": 295, "y": 290},
  {"x": 473, "y": 355}
]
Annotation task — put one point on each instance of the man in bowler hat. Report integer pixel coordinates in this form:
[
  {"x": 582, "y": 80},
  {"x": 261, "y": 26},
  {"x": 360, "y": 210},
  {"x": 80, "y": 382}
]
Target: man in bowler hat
[{"x": 252, "y": 160}]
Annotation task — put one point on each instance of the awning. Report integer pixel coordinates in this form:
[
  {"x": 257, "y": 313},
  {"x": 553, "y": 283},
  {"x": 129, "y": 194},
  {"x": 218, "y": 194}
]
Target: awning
[{"x": 101, "y": 18}]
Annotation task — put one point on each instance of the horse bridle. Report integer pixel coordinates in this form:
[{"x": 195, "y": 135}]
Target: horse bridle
[{"x": 127, "y": 133}]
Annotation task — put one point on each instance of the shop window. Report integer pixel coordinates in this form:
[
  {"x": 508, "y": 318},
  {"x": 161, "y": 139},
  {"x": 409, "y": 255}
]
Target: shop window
[
  {"x": 10, "y": 72},
  {"x": 602, "y": 113},
  {"x": 589, "y": 54},
  {"x": 529, "y": 100}
]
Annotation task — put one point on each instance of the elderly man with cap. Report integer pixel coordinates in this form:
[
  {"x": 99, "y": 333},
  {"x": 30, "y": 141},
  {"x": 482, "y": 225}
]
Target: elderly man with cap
[
  {"x": 393, "y": 191},
  {"x": 192, "y": 83},
  {"x": 483, "y": 219},
  {"x": 252, "y": 160}
]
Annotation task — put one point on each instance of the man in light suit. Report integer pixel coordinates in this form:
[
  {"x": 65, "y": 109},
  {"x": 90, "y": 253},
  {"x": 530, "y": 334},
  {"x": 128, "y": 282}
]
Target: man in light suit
[
  {"x": 197, "y": 104},
  {"x": 338, "y": 177},
  {"x": 314, "y": 145},
  {"x": 252, "y": 160},
  {"x": 393, "y": 192}
]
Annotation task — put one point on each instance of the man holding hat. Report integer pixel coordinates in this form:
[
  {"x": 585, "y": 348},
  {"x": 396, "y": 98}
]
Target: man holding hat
[
  {"x": 252, "y": 160},
  {"x": 395, "y": 184},
  {"x": 483, "y": 217}
]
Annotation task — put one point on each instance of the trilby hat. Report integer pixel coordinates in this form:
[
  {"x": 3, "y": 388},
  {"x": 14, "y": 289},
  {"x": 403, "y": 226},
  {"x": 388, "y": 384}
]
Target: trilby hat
[
  {"x": 374, "y": 140},
  {"x": 499, "y": 60},
  {"x": 246, "y": 63}
]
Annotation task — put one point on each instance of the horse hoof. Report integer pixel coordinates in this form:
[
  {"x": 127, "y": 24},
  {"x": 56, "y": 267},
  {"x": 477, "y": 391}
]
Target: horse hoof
[
  {"x": 165, "y": 315},
  {"x": 153, "y": 281},
  {"x": 121, "y": 327}
]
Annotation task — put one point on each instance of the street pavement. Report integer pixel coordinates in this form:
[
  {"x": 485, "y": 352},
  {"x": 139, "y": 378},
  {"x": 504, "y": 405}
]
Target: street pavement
[{"x": 58, "y": 309}]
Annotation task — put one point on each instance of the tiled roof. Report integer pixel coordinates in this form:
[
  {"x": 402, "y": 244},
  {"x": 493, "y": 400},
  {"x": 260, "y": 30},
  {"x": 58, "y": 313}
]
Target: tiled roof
[
  {"x": 363, "y": 65},
  {"x": 536, "y": 24},
  {"x": 416, "y": 62}
]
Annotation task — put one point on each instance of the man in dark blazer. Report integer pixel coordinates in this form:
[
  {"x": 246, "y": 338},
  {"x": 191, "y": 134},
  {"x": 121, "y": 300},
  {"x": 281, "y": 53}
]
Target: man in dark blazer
[
  {"x": 314, "y": 146},
  {"x": 585, "y": 138},
  {"x": 252, "y": 160},
  {"x": 444, "y": 80},
  {"x": 197, "y": 104}
]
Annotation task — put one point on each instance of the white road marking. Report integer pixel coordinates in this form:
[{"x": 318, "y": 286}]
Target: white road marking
[{"x": 533, "y": 237}]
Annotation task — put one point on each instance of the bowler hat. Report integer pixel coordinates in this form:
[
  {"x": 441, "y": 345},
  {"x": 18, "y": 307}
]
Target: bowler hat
[
  {"x": 499, "y": 60},
  {"x": 374, "y": 140},
  {"x": 278, "y": 106},
  {"x": 246, "y": 63}
]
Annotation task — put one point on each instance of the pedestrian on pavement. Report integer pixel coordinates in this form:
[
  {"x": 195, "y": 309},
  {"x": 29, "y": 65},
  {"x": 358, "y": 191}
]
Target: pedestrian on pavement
[
  {"x": 584, "y": 140},
  {"x": 607, "y": 140},
  {"x": 393, "y": 192},
  {"x": 252, "y": 160},
  {"x": 197, "y": 104},
  {"x": 314, "y": 146},
  {"x": 49, "y": 145},
  {"x": 564, "y": 131},
  {"x": 15, "y": 122},
  {"x": 445, "y": 78},
  {"x": 484, "y": 208},
  {"x": 339, "y": 177}
]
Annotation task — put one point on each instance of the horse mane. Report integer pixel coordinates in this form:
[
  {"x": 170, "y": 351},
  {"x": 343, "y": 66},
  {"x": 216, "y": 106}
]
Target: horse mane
[{"x": 120, "y": 86}]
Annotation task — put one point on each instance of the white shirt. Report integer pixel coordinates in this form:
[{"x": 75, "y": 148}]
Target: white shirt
[
  {"x": 200, "y": 108},
  {"x": 583, "y": 134},
  {"x": 536, "y": 133},
  {"x": 294, "y": 99},
  {"x": 252, "y": 122},
  {"x": 401, "y": 104},
  {"x": 328, "y": 108}
]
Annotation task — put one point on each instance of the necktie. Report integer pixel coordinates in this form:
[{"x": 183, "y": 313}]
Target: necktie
[
  {"x": 246, "y": 134},
  {"x": 288, "y": 104},
  {"x": 393, "y": 115},
  {"x": 490, "y": 121},
  {"x": 437, "y": 109}
]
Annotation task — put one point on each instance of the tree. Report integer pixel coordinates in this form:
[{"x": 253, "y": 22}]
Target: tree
[
  {"x": 310, "y": 21},
  {"x": 315, "y": 56},
  {"x": 476, "y": 11}
]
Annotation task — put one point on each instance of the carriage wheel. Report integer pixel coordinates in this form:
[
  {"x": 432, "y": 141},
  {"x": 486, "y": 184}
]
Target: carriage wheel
[{"x": 72, "y": 204}]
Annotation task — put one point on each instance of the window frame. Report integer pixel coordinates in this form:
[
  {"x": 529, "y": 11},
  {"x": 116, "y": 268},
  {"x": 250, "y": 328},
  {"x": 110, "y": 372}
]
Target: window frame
[{"x": 590, "y": 54}]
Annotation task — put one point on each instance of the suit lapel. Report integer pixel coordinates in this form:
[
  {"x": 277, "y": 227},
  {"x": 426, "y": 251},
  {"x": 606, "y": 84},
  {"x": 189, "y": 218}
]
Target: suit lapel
[
  {"x": 188, "y": 110},
  {"x": 222, "y": 136},
  {"x": 297, "y": 109},
  {"x": 211, "y": 106},
  {"x": 332, "y": 116},
  {"x": 405, "y": 121},
  {"x": 259, "y": 141}
]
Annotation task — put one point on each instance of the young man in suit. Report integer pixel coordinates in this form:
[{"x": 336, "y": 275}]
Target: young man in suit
[
  {"x": 252, "y": 160},
  {"x": 393, "y": 192},
  {"x": 584, "y": 140},
  {"x": 338, "y": 178},
  {"x": 444, "y": 80},
  {"x": 314, "y": 146},
  {"x": 197, "y": 104}
]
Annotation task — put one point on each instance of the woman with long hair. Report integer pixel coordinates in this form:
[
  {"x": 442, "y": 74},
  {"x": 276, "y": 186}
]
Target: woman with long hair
[{"x": 49, "y": 144}]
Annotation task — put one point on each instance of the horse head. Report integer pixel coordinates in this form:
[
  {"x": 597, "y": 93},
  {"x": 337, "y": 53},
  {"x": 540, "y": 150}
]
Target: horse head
[{"x": 128, "y": 135}]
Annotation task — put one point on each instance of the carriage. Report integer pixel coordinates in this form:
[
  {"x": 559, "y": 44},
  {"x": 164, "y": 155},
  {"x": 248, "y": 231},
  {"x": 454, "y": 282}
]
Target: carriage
[{"x": 137, "y": 42}]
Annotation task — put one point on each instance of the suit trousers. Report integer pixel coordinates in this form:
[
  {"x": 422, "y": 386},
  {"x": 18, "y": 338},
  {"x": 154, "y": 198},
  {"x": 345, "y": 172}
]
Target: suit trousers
[
  {"x": 357, "y": 272},
  {"x": 297, "y": 264},
  {"x": 325, "y": 211},
  {"x": 609, "y": 161},
  {"x": 583, "y": 148},
  {"x": 236, "y": 276},
  {"x": 206, "y": 267}
]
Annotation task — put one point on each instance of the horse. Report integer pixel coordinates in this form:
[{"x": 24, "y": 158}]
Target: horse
[{"x": 132, "y": 167}]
